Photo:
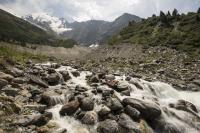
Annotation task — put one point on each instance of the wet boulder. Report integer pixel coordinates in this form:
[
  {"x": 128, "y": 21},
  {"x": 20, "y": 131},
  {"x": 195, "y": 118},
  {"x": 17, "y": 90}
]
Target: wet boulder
[
  {"x": 90, "y": 118},
  {"x": 107, "y": 93},
  {"x": 148, "y": 110},
  {"x": 122, "y": 86},
  {"x": 108, "y": 126},
  {"x": 79, "y": 114},
  {"x": 50, "y": 98},
  {"x": 80, "y": 88},
  {"x": 45, "y": 99},
  {"x": 104, "y": 111},
  {"x": 128, "y": 125},
  {"x": 132, "y": 112},
  {"x": 55, "y": 65},
  {"x": 75, "y": 73},
  {"x": 51, "y": 70},
  {"x": 65, "y": 75},
  {"x": 101, "y": 75},
  {"x": 162, "y": 126},
  {"x": 87, "y": 104},
  {"x": 69, "y": 108},
  {"x": 94, "y": 79},
  {"x": 185, "y": 106},
  {"x": 136, "y": 83},
  {"x": 114, "y": 104},
  {"x": 53, "y": 79}
]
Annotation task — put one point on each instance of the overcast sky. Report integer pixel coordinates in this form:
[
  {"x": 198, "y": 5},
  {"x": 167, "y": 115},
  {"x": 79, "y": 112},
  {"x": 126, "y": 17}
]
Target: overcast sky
[{"x": 81, "y": 10}]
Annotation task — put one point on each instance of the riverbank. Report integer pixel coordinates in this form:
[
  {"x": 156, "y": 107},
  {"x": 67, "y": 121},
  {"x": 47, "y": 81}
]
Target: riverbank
[{"x": 51, "y": 97}]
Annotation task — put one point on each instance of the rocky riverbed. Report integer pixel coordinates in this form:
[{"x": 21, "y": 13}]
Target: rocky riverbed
[{"x": 64, "y": 98}]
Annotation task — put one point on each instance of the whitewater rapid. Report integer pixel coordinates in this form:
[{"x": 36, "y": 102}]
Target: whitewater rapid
[{"x": 160, "y": 92}]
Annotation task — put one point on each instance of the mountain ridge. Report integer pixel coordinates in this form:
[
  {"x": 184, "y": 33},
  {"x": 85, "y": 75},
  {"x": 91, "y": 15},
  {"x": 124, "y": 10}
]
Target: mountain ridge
[
  {"x": 174, "y": 30},
  {"x": 91, "y": 31}
]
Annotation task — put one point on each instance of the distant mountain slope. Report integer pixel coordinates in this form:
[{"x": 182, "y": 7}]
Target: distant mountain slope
[
  {"x": 47, "y": 22},
  {"x": 17, "y": 30},
  {"x": 86, "y": 32},
  {"x": 176, "y": 31},
  {"x": 14, "y": 28}
]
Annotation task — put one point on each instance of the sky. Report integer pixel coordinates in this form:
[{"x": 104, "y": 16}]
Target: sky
[{"x": 82, "y": 10}]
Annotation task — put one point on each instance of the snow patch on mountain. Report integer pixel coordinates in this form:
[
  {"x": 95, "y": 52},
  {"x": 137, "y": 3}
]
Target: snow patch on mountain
[{"x": 56, "y": 24}]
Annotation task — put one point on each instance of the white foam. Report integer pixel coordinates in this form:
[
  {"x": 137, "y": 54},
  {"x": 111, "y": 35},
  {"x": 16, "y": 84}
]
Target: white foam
[{"x": 160, "y": 92}]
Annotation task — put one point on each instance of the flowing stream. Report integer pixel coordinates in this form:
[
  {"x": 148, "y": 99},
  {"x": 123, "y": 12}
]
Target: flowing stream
[{"x": 159, "y": 92}]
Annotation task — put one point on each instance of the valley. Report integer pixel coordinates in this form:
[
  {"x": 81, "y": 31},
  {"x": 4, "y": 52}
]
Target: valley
[{"x": 142, "y": 77}]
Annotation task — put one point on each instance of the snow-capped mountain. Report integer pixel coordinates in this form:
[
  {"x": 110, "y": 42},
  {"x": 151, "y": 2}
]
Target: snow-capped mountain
[
  {"x": 88, "y": 32},
  {"x": 47, "y": 22}
]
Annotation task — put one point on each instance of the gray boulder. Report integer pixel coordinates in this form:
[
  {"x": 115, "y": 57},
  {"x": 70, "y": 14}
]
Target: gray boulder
[
  {"x": 126, "y": 122},
  {"x": 69, "y": 108},
  {"x": 114, "y": 104},
  {"x": 185, "y": 106},
  {"x": 132, "y": 112},
  {"x": 90, "y": 118},
  {"x": 94, "y": 79},
  {"x": 148, "y": 110},
  {"x": 104, "y": 111},
  {"x": 37, "y": 80},
  {"x": 108, "y": 126},
  {"x": 53, "y": 79},
  {"x": 65, "y": 75},
  {"x": 16, "y": 72},
  {"x": 121, "y": 86},
  {"x": 87, "y": 104}
]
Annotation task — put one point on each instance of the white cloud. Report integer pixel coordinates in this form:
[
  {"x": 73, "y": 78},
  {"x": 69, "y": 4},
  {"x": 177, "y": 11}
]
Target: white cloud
[{"x": 81, "y": 10}]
